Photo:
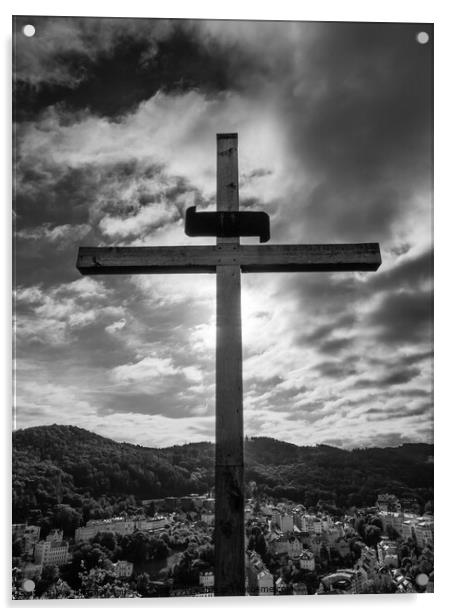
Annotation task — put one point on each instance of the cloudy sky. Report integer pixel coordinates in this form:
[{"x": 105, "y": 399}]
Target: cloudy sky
[{"x": 115, "y": 124}]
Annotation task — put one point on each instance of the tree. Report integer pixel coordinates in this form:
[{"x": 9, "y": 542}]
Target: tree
[
  {"x": 66, "y": 518},
  {"x": 372, "y": 535},
  {"x": 60, "y": 590},
  {"x": 135, "y": 547},
  {"x": 99, "y": 583},
  {"x": 157, "y": 548},
  {"x": 360, "y": 526},
  {"x": 150, "y": 509},
  {"x": 376, "y": 521},
  {"x": 84, "y": 557},
  {"x": 142, "y": 585},
  {"x": 108, "y": 540},
  {"x": 393, "y": 535},
  {"x": 257, "y": 541},
  {"x": 17, "y": 547},
  {"x": 49, "y": 575}
]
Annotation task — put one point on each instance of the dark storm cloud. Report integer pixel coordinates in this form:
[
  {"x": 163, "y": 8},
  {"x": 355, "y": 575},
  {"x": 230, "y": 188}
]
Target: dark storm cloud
[
  {"x": 255, "y": 173},
  {"x": 413, "y": 393},
  {"x": 331, "y": 369},
  {"x": 407, "y": 273},
  {"x": 118, "y": 63},
  {"x": 404, "y": 317},
  {"x": 335, "y": 345},
  {"x": 405, "y": 359},
  {"x": 310, "y": 412},
  {"x": 400, "y": 377},
  {"x": 266, "y": 384},
  {"x": 141, "y": 403},
  {"x": 47, "y": 192},
  {"x": 328, "y": 295},
  {"x": 282, "y": 397},
  {"x": 376, "y": 414},
  {"x": 365, "y": 128},
  {"x": 325, "y": 330},
  {"x": 416, "y": 358},
  {"x": 58, "y": 208}
]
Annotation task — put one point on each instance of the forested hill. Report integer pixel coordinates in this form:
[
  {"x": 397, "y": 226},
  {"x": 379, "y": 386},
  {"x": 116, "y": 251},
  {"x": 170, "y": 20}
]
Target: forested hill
[{"x": 65, "y": 464}]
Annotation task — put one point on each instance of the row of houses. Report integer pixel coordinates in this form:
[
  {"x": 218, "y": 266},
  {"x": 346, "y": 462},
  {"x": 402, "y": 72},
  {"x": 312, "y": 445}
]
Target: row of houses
[
  {"x": 54, "y": 550},
  {"x": 259, "y": 580},
  {"x": 120, "y": 525},
  {"x": 410, "y": 526}
]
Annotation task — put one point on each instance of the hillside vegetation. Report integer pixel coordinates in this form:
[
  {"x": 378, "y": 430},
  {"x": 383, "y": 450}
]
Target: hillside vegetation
[{"x": 65, "y": 466}]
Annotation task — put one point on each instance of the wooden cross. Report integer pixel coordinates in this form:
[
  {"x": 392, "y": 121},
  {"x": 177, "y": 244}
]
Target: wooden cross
[{"x": 227, "y": 259}]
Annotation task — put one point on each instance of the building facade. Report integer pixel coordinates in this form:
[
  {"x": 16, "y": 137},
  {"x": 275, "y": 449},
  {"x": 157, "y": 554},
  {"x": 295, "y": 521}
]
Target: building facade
[{"x": 53, "y": 551}]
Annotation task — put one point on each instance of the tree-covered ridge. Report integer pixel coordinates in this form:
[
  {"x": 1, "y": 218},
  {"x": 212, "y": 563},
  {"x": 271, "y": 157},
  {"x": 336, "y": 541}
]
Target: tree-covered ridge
[{"x": 96, "y": 476}]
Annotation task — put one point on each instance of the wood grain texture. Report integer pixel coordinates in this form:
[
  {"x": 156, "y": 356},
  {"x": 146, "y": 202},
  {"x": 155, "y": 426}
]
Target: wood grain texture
[
  {"x": 227, "y": 172},
  {"x": 251, "y": 258},
  {"x": 229, "y": 531},
  {"x": 229, "y": 388},
  {"x": 229, "y": 483}
]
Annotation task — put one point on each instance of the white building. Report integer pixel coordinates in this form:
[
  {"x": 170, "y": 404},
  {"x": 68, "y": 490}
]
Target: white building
[
  {"x": 266, "y": 509},
  {"x": 387, "y": 553},
  {"x": 286, "y": 523},
  {"x": 408, "y": 529},
  {"x": 259, "y": 581},
  {"x": 123, "y": 568},
  {"x": 423, "y": 531},
  {"x": 265, "y": 583},
  {"x": 317, "y": 525},
  {"x": 326, "y": 523},
  {"x": 122, "y": 526},
  {"x": 276, "y": 517},
  {"x": 368, "y": 561},
  {"x": 309, "y": 524},
  {"x": 206, "y": 579},
  {"x": 155, "y": 523},
  {"x": 307, "y": 560},
  {"x": 31, "y": 537},
  {"x": 208, "y": 518},
  {"x": 52, "y": 551},
  {"x": 393, "y": 519}
]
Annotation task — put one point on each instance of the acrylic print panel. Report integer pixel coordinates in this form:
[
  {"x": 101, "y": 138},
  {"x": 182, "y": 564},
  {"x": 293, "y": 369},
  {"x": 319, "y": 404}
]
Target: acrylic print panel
[{"x": 125, "y": 382}]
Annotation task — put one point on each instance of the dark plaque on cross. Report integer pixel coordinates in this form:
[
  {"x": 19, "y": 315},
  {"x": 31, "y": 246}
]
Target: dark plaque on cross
[{"x": 228, "y": 259}]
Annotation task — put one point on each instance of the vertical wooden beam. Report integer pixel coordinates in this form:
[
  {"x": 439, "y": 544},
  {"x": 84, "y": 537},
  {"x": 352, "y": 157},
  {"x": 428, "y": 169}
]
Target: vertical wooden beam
[{"x": 229, "y": 483}]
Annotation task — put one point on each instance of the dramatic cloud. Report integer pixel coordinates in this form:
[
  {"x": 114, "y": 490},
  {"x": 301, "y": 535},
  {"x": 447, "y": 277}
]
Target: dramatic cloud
[{"x": 115, "y": 123}]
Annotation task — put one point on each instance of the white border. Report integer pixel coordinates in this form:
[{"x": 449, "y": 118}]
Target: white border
[{"x": 321, "y": 10}]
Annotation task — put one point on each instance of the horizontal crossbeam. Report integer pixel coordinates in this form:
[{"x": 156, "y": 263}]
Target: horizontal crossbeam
[{"x": 251, "y": 258}]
